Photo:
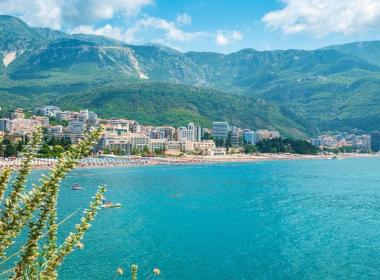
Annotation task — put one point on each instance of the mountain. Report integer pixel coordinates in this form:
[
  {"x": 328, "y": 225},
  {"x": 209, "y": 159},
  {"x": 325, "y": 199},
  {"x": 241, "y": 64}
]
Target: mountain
[
  {"x": 368, "y": 50},
  {"x": 306, "y": 91}
]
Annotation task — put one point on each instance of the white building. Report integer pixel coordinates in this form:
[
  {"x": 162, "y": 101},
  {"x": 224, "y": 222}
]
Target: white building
[
  {"x": 174, "y": 147},
  {"x": 93, "y": 120},
  {"x": 115, "y": 142},
  {"x": 124, "y": 143},
  {"x": 190, "y": 133},
  {"x": 217, "y": 152},
  {"x": 138, "y": 141},
  {"x": 203, "y": 146},
  {"x": 157, "y": 144},
  {"x": 235, "y": 136},
  {"x": 54, "y": 129},
  {"x": 262, "y": 134},
  {"x": 48, "y": 111},
  {"x": 183, "y": 134},
  {"x": 77, "y": 127}
]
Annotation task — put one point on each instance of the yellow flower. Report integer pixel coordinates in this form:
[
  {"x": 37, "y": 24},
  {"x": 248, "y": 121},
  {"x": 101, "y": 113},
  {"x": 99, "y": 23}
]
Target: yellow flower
[
  {"x": 80, "y": 245},
  {"x": 156, "y": 271},
  {"x": 119, "y": 271}
]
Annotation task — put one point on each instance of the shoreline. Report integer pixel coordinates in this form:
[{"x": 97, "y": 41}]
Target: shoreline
[{"x": 128, "y": 161}]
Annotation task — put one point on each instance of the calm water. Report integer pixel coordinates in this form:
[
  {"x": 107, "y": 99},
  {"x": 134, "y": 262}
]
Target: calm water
[{"x": 270, "y": 220}]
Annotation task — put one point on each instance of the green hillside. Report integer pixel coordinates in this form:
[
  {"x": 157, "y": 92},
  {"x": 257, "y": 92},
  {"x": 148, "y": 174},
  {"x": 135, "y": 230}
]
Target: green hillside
[
  {"x": 367, "y": 50},
  {"x": 298, "y": 91},
  {"x": 165, "y": 104}
]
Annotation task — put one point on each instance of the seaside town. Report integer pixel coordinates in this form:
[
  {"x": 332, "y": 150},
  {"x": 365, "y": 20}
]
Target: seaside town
[
  {"x": 354, "y": 141},
  {"x": 123, "y": 137}
]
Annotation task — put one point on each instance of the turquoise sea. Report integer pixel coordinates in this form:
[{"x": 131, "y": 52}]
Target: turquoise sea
[{"x": 269, "y": 220}]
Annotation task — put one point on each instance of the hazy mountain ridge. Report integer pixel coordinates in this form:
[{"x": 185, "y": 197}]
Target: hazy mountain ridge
[{"x": 320, "y": 89}]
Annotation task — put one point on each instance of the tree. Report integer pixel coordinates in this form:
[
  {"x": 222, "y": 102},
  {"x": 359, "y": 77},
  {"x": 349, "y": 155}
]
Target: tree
[
  {"x": 57, "y": 150},
  {"x": 145, "y": 150},
  {"x": 279, "y": 145},
  {"x": 250, "y": 149},
  {"x": 228, "y": 141},
  {"x": 19, "y": 146},
  {"x": 118, "y": 152},
  {"x": 40, "y": 255},
  {"x": 10, "y": 150},
  {"x": 135, "y": 151},
  {"x": 46, "y": 151},
  {"x": 207, "y": 136}
]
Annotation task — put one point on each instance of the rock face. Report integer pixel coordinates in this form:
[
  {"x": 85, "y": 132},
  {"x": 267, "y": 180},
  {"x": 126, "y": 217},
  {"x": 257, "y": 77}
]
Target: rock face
[{"x": 8, "y": 58}]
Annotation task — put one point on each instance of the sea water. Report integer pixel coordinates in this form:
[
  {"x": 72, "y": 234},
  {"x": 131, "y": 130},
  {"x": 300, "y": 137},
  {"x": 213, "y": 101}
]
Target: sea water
[{"x": 317, "y": 219}]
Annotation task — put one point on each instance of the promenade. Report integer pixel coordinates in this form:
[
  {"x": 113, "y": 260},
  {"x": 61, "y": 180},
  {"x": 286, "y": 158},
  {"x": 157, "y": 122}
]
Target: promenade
[{"x": 115, "y": 161}]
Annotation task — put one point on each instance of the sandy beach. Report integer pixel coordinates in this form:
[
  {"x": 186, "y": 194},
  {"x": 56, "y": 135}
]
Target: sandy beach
[{"x": 115, "y": 161}]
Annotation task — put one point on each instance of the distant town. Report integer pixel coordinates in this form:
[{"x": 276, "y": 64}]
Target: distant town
[
  {"x": 129, "y": 137},
  {"x": 354, "y": 141}
]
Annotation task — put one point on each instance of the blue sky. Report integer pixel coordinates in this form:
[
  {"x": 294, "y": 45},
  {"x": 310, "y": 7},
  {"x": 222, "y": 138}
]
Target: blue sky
[{"x": 209, "y": 25}]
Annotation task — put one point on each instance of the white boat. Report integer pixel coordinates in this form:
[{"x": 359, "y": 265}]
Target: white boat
[
  {"x": 76, "y": 187},
  {"x": 110, "y": 204}
]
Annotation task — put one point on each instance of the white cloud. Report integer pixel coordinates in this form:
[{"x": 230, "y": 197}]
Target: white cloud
[
  {"x": 152, "y": 29},
  {"x": 85, "y": 12},
  {"x": 107, "y": 30},
  {"x": 322, "y": 17},
  {"x": 228, "y": 37},
  {"x": 170, "y": 30},
  {"x": 184, "y": 19},
  {"x": 46, "y": 13},
  {"x": 221, "y": 39},
  {"x": 118, "y": 19},
  {"x": 70, "y": 13},
  {"x": 148, "y": 27}
]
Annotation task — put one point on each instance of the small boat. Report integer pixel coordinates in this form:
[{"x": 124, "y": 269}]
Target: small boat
[
  {"x": 76, "y": 187},
  {"x": 110, "y": 204}
]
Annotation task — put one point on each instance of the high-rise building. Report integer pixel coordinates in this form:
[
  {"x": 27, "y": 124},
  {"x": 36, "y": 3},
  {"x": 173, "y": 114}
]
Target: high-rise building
[
  {"x": 316, "y": 142},
  {"x": 181, "y": 133},
  {"x": 249, "y": 137},
  {"x": 161, "y": 132},
  {"x": 235, "y": 136},
  {"x": 5, "y": 125},
  {"x": 93, "y": 120},
  {"x": 190, "y": 133},
  {"x": 375, "y": 141},
  {"x": 198, "y": 133},
  {"x": 220, "y": 132}
]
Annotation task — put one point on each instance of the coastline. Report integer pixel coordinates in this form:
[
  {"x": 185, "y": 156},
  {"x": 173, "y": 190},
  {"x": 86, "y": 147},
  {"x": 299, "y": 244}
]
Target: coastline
[{"x": 125, "y": 161}]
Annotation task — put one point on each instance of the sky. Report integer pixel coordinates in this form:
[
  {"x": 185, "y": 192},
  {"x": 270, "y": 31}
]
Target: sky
[{"x": 209, "y": 25}]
